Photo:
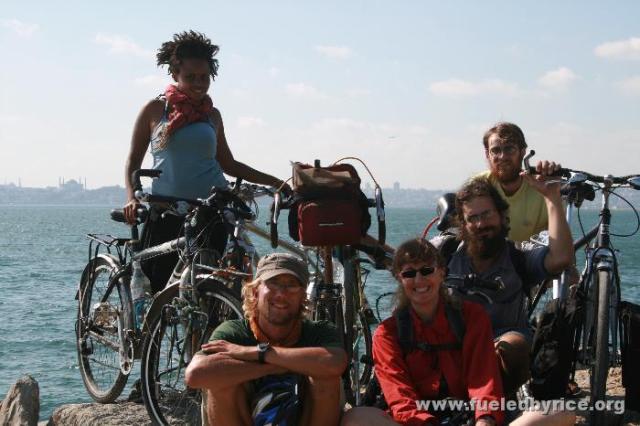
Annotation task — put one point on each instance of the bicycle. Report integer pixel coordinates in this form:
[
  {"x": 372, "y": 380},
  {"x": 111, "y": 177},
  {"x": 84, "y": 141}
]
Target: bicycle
[
  {"x": 598, "y": 290},
  {"x": 336, "y": 293},
  {"x": 192, "y": 307},
  {"x": 108, "y": 338}
]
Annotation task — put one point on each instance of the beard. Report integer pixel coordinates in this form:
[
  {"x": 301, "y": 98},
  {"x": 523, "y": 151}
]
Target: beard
[
  {"x": 506, "y": 172},
  {"x": 485, "y": 246},
  {"x": 280, "y": 318}
]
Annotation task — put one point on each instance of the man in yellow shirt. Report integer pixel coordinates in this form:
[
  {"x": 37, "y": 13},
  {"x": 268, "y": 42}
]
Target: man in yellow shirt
[{"x": 505, "y": 147}]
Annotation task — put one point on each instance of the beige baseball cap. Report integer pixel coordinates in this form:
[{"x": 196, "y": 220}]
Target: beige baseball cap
[{"x": 275, "y": 264}]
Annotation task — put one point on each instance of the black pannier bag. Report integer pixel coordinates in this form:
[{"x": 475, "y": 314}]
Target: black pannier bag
[
  {"x": 630, "y": 344},
  {"x": 552, "y": 354}
]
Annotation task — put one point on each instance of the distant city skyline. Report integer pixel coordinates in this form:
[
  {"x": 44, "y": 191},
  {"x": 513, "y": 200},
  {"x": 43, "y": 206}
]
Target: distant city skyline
[
  {"x": 83, "y": 182},
  {"x": 409, "y": 87}
]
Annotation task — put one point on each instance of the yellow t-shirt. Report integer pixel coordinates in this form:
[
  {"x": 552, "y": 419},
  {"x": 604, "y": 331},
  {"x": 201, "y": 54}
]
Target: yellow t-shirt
[{"x": 527, "y": 210}]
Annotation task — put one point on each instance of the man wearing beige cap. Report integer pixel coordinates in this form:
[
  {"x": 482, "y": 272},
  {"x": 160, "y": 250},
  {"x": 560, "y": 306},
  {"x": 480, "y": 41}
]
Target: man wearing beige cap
[{"x": 274, "y": 366}]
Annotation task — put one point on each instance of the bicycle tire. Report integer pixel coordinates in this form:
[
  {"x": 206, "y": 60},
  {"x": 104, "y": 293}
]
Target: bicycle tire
[
  {"x": 357, "y": 335},
  {"x": 167, "y": 399},
  {"x": 97, "y": 337},
  {"x": 350, "y": 277},
  {"x": 600, "y": 367},
  {"x": 361, "y": 369}
]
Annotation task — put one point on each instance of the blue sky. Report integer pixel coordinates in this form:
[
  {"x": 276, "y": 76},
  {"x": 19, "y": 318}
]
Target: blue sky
[{"x": 408, "y": 86}]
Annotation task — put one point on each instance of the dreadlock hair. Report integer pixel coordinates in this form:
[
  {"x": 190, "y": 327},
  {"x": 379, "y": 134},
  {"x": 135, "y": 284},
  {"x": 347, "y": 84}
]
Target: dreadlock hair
[
  {"x": 505, "y": 131},
  {"x": 479, "y": 187},
  {"x": 188, "y": 45}
]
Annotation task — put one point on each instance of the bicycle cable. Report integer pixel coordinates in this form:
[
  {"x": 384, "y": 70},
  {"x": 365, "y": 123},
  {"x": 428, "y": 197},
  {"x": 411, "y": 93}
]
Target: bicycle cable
[
  {"x": 389, "y": 293},
  {"x": 361, "y": 162},
  {"x": 634, "y": 211}
]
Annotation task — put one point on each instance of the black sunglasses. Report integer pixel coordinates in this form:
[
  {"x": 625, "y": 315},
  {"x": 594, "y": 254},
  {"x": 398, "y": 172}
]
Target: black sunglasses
[{"x": 424, "y": 271}]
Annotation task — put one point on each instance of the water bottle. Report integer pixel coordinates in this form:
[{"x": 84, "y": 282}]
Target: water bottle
[{"x": 140, "y": 292}]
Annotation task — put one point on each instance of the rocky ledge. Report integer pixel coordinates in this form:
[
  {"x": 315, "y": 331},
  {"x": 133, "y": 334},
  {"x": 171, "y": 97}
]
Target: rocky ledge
[{"x": 21, "y": 406}]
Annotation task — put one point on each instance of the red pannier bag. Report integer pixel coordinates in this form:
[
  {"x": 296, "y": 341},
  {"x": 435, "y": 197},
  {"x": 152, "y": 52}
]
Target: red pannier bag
[{"x": 332, "y": 209}]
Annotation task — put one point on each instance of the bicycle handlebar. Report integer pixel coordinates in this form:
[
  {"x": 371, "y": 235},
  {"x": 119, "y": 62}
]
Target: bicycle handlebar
[
  {"x": 579, "y": 176},
  {"x": 219, "y": 197}
]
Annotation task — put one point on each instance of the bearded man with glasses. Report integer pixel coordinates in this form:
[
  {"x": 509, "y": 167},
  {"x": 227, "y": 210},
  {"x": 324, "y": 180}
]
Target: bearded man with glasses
[
  {"x": 274, "y": 366},
  {"x": 486, "y": 252},
  {"x": 505, "y": 147}
]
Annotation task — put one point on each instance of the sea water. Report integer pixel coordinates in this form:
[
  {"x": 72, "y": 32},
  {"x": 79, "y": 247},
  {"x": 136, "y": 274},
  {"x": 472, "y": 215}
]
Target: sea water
[{"x": 43, "y": 250}]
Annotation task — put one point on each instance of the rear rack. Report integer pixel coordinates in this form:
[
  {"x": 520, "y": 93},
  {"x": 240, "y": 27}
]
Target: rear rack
[{"x": 108, "y": 242}]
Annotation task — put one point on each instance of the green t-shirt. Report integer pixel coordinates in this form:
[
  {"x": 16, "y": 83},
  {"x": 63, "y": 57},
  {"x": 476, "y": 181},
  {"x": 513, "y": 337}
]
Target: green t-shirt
[
  {"x": 314, "y": 334},
  {"x": 527, "y": 209}
]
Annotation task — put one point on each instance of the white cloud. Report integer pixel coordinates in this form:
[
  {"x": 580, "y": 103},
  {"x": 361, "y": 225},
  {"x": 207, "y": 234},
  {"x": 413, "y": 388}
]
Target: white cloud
[
  {"x": 122, "y": 45},
  {"x": 274, "y": 71},
  {"x": 461, "y": 88},
  {"x": 248, "y": 121},
  {"x": 10, "y": 118},
  {"x": 358, "y": 93},
  {"x": 620, "y": 49},
  {"x": 304, "y": 90},
  {"x": 558, "y": 79},
  {"x": 22, "y": 29},
  {"x": 630, "y": 86},
  {"x": 334, "y": 52},
  {"x": 153, "y": 80}
]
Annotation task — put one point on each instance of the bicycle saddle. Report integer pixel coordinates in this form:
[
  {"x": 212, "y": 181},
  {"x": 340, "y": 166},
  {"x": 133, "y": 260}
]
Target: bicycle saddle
[{"x": 446, "y": 210}]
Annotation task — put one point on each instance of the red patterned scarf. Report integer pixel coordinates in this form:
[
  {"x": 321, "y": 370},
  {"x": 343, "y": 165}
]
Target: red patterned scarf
[
  {"x": 291, "y": 339},
  {"x": 184, "y": 111}
]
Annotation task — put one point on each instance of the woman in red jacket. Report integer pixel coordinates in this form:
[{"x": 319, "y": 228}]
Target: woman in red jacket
[
  {"x": 450, "y": 355},
  {"x": 463, "y": 370}
]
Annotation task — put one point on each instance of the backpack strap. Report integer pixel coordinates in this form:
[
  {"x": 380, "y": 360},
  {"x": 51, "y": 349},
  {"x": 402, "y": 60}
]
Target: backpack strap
[
  {"x": 456, "y": 321},
  {"x": 519, "y": 261},
  {"x": 405, "y": 331}
]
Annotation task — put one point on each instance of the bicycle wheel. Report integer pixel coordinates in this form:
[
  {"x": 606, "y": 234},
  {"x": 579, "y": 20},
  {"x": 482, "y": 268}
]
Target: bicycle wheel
[
  {"x": 168, "y": 348},
  {"x": 361, "y": 367},
  {"x": 600, "y": 367},
  {"x": 104, "y": 316}
]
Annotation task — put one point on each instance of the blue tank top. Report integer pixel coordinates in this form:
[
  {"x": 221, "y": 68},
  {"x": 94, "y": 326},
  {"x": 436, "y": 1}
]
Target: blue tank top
[{"x": 188, "y": 161}]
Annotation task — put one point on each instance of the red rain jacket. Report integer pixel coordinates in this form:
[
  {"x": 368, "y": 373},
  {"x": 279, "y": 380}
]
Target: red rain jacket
[{"x": 471, "y": 373}]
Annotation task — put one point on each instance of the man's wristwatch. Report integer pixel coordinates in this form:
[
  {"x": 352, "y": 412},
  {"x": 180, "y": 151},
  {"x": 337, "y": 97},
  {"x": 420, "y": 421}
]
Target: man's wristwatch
[{"x": 262, "y": 351}]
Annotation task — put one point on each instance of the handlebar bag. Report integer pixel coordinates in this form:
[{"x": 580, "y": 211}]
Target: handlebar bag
[
  {"x": 630, "y": 345},
  {"x": 339, "y": 180},
  {"x": 330, "y": 208}
]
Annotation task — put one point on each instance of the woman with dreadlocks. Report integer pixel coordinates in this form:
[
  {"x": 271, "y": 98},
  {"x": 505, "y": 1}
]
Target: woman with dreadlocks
[{"x": 186, "y": 138}]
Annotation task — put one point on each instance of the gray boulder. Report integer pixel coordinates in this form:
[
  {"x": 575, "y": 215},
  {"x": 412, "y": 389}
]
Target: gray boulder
[
  {"x": 21, "y": 406},
  {"x": 122, "y": 413}
]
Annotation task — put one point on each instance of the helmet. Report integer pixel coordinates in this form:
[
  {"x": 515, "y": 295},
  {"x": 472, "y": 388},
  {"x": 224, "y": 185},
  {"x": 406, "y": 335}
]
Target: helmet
[{"x": 277, "y": 400}]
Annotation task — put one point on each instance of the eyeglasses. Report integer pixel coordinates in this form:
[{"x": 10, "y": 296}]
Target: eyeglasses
[
  {"x": 411, "y": 273},
  {"x": 285, "y": 288},
  {"x": 506, "y": 150},
  {"x": 476, "y": 218}
]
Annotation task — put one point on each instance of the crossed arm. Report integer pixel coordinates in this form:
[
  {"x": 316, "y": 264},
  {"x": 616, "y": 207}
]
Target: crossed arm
[{"x": 223, "y": 364}]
